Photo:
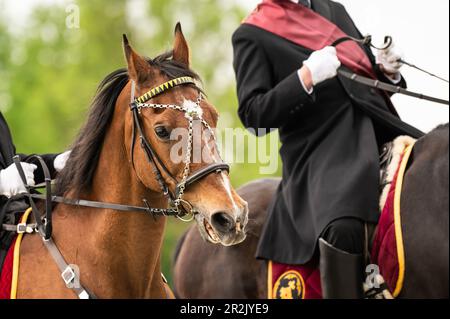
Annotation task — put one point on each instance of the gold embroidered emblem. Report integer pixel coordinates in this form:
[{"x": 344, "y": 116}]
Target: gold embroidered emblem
[{"x": 290, "y": 285}]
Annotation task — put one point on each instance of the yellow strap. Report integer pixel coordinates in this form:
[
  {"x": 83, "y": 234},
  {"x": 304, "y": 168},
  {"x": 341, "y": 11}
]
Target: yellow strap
[
  {"x": 269, "y": 280},
  {"x": 398, "y": 221},
  {"x": 15, "y": 274}
]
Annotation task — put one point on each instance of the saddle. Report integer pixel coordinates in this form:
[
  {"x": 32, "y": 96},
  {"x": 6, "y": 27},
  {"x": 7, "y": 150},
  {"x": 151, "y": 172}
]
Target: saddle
[
  {"x": 10, "y": 260},
  {"x": 384, "y": 243},
  {"x": 10, "y": 214},
  {"x": 14, "y": 215},
  {"x": 387, "y": 250},
  {"x": 13, "y": 225}
]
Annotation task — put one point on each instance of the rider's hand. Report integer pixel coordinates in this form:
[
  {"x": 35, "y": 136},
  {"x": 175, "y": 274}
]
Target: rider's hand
[
  {"x": 323, "y": 64},
  {"x": 10, "y": 182},
  {"x": 60, "y": 161},
  {"x": 389, "y": 60}
]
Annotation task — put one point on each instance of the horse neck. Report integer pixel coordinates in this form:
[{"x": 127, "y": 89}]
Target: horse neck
[{"x": 123, "y": 247}]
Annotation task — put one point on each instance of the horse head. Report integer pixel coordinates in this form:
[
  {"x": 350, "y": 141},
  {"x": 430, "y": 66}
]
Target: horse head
[{"x": 170, "y": 141}]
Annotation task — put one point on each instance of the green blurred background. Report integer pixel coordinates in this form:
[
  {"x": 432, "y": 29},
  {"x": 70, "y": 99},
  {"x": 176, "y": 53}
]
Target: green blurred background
[{"x": 49, "y": 72}]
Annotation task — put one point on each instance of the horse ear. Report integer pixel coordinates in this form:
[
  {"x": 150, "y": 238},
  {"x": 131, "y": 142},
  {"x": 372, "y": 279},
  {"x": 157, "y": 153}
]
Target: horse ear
[
  {"x": 139, "y": 69},
  {"x": 180, "y": 47}
]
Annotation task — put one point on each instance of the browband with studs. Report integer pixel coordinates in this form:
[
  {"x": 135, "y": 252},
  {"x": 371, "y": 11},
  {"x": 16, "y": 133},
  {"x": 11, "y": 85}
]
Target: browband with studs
[{"x": 166, "y": 86}]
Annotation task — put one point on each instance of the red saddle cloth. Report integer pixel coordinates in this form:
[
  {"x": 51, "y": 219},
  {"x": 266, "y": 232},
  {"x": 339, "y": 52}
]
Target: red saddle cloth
[
  {"x": 294, "y": 281},
  {"x": 303, "y": 281},
  {"x": 6, "y": 273},
  {"x": 387, "y": 247}
]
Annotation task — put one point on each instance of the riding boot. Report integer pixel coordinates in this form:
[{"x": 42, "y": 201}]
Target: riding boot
[{"x": 341, "y": 273}]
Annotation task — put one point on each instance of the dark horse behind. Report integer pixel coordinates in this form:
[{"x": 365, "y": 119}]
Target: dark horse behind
[{"x": 425, "y": 224}]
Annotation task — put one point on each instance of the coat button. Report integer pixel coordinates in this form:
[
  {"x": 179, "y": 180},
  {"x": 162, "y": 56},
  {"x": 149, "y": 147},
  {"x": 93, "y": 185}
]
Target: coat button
[{"x": 373, "y": 91}]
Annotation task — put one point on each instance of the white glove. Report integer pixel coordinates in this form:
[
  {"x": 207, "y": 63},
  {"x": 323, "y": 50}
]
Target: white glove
[
  {"x": 323, "y": 64},
  {"x": 10, "y": 182},
  {"x": 389, "y": 58},
  {"x": 60, "y": 161}
]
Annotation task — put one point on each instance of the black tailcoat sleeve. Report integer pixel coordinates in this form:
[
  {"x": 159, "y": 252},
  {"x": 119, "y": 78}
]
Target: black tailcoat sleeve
[
  {"x": 264, "y": 103},
  {"x": 10, "y": 211},
  {"x": 330, "y": 140},
  {"x": 8, "y": 151}
]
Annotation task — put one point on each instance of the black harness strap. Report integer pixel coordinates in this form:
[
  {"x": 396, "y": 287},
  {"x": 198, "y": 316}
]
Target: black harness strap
[
  {"x": 112, "y": 206},
  {"x": 152, "y": 157},
  {"x": 367, "y": 40},
  {"x": 389, "y": 87},
  {"x": 198, "y": 175},
  {"x": 44, "y": 227}
]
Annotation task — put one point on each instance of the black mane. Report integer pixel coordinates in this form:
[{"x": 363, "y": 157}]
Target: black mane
[{"x": 79, "y": 172}]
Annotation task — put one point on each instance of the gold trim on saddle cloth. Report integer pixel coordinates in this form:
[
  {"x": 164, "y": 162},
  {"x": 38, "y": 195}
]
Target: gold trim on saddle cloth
[
  {"x": 398, "y": 221},
  {"x": 15, "y": 274},
  {"x": 397, "y": 225},
  {"x": 269, "y": 280}
]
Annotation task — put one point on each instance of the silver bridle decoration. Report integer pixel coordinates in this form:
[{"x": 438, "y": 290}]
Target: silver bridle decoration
[{"x": 193, "y": 112}]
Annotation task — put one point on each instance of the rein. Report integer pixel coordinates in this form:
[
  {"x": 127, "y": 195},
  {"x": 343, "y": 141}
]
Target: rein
[
  {"x": 177, "y": 205},
  {"x": 367, "y": 40}
]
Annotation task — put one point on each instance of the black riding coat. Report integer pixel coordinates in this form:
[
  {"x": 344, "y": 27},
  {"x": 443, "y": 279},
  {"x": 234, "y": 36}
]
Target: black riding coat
[
  {"x": 330, "y": 139},
  {"x": 11, "y": 212},
  {"x": 8, "y": 151}
]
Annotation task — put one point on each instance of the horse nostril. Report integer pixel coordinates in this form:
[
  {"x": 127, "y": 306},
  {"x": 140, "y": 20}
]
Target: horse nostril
[{"x": 222, "y": 222}]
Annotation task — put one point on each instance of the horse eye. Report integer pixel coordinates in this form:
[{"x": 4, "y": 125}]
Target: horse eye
[{"x": 162, "y": 132}]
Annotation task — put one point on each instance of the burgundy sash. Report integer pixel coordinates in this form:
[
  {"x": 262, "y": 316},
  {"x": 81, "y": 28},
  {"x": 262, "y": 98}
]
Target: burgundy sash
[{"x": 308, "y": 29}]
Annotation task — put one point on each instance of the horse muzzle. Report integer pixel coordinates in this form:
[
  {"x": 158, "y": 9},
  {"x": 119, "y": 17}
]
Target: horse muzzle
[{"x": 223, "y": 228}]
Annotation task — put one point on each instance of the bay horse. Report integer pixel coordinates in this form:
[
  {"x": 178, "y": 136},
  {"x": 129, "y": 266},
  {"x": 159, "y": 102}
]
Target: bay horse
[
  {"x": 425, "y": 223},
  {"x": 118, "y": 253}
]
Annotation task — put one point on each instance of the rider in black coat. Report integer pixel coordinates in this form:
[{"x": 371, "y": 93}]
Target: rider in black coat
[
  {"x": 8, "y": 151},
  {"x": 331, "y": 134},
  {"x": 11, "y": 184}
]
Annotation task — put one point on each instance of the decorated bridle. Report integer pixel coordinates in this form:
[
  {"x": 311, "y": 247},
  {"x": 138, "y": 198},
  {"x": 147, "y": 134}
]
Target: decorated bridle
[
  {"x": 175, "y": 208},
  {"x": 43, "y": 222},
  {"x": 192, "y": 112}
]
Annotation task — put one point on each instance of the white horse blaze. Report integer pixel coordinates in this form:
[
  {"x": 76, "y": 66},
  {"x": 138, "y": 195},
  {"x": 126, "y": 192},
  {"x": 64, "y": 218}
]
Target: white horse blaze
[
  {"x": 212, "y": 154},
  {"x": 227, "y": 186}
]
